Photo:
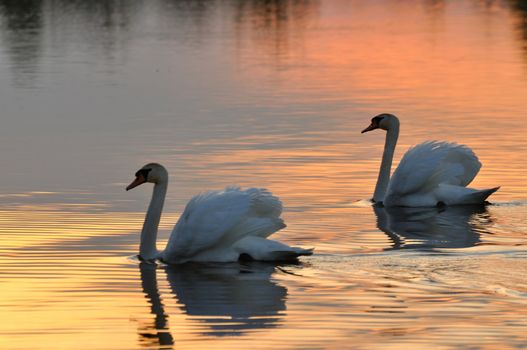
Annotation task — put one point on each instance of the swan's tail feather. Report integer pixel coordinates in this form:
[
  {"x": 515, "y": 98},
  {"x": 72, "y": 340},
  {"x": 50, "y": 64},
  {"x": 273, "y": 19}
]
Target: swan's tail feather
[
  {"x": 481, "y": 196},
  {"x": 288, "y": 255},
  {"x": 303, "y": 251},
  {"x": 458, "y": 195},
  {"x": 258, "y": 248}
]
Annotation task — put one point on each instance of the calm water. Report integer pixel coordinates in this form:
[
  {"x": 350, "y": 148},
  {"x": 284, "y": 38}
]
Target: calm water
[{"x": 269, "y": 94}]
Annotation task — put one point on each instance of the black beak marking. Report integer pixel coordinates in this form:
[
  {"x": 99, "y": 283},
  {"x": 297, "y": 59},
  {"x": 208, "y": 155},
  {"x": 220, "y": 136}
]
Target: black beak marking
[{"x": 143, "y": 172}]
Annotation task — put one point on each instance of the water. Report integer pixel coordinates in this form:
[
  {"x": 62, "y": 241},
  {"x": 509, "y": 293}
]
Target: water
[{"x": 269, "y": 94}]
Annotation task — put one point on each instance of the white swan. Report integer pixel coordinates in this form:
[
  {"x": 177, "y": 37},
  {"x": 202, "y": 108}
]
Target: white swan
[
  {"x": 216, "y": 226},
  {"x": 429, "y": 174}
]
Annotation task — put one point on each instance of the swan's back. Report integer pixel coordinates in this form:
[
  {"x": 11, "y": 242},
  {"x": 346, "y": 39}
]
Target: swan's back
[
  {"x": 215, "y": 220},
  {"x": 426, "y": 166}
]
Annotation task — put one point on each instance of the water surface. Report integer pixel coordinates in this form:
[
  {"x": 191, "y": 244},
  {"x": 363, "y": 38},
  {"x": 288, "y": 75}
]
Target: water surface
[{"x": 269, "y": 94}]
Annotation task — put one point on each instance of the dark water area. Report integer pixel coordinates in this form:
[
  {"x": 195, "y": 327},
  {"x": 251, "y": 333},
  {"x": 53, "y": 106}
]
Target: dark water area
[{"x": 267, "y": 94}]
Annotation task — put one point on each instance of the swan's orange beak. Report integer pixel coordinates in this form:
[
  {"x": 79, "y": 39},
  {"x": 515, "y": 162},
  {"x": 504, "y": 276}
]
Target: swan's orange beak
[
  {"x": 140, "y": 179},
  {"x": 372, "y": 126}
]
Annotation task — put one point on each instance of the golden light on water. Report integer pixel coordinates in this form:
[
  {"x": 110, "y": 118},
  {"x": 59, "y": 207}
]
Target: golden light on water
[{"x": 268, "y": 96}]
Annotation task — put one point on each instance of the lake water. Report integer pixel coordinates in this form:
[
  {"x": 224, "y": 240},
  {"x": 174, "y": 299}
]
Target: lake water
[{"x": 269, "y": 94}]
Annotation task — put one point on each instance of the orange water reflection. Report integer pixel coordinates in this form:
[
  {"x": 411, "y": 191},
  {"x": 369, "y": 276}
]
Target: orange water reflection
[
  {"x": 304, "y": 77},
  {"x": 453, "y": 72},
  {"x": 68, "y": 277}
]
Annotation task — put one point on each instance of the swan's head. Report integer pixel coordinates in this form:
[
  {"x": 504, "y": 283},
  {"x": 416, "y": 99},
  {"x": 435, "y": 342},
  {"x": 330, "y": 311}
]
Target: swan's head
[
  {"x": 152, "y": 172},
  {"x": 383, "y": 121}
]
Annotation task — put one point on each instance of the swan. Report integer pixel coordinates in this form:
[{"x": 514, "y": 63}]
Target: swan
[
  {"x": 429, "y": 174},
  {"x": 216, "y": 226}
]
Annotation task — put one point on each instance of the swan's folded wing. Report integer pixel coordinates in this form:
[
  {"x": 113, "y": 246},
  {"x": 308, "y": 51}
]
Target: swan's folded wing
[
  {"x": 218, "y": 218},
  {"x": 431, "y": 163},
  {"x": 466, "y": 163},
  {"x": 205, "y": 220}
]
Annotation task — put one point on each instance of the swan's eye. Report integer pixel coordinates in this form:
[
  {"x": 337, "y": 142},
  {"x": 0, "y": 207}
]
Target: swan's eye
[
  {"x": 376, "y": 120},
  {"x": 143, "y": 173}
]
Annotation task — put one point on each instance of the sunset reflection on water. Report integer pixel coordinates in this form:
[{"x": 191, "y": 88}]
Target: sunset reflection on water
[{"x": 259, "y": 94}]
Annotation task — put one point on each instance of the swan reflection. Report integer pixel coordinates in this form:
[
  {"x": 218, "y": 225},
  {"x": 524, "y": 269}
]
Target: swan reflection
[
  {"x": 229, "y": 299},
  {"x": 449, "y": 227},
  {"x": 157, "y": 334}
]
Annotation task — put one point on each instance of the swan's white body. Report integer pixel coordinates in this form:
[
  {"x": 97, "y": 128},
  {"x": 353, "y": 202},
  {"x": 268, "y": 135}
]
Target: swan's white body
[
  {"x": 216, "y": 226},
  {"x": 429, "y": 174}
]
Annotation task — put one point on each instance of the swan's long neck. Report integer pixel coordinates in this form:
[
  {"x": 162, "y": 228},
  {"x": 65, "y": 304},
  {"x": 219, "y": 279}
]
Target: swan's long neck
[
  {"x": 147, "y": 248},
  {"x": 386, "y": 164}
]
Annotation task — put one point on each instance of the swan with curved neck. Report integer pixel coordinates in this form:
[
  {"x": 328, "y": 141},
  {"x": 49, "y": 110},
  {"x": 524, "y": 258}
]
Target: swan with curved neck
[
  {"x": 429, "y": 174},
  {"x": 216, "y": 226}
]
